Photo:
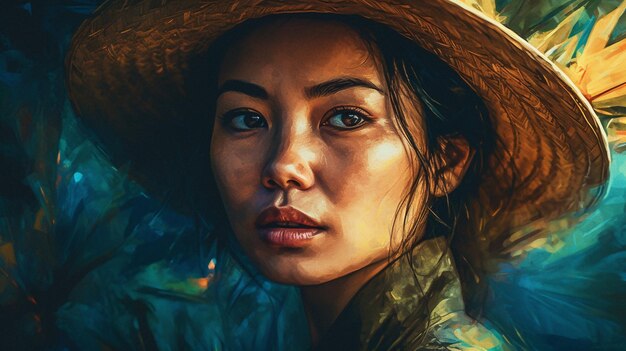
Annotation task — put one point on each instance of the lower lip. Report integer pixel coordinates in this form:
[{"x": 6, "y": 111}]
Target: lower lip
[{"x": 289, "y": 237}]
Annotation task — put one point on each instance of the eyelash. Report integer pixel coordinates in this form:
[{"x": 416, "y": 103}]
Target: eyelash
[
  {"x": 355, "y": 110},
  {"x": 227, "y": 118}
]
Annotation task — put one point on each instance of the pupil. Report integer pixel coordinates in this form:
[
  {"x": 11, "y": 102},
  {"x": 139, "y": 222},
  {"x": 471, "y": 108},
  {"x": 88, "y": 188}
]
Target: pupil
[
  {"x": 252, "y": 121},
  {"x": 351, "y": 120}
]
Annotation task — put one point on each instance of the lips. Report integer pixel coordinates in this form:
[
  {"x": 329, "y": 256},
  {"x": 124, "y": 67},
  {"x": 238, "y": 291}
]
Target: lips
[{"x": 287, "y": 227}]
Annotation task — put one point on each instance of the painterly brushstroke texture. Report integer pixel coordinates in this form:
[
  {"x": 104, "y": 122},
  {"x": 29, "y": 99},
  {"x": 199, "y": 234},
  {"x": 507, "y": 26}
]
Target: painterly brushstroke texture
[{"x": 87, "y": 259}]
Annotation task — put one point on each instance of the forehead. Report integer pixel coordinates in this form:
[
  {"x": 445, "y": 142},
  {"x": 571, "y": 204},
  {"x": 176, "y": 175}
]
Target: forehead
[{"x": 306, "y": 50}]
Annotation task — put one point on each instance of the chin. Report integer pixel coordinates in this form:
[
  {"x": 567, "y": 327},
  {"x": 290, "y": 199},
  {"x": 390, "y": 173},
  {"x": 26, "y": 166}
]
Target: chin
[{"x": 291, "y": 272}]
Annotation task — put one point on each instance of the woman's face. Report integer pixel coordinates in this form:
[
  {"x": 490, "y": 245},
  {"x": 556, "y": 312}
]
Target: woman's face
[{"x": 305, "y": 151}]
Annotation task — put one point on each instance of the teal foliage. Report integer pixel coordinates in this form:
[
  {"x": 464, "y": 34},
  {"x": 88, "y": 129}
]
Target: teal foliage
[{"x": 574, "y": 298}]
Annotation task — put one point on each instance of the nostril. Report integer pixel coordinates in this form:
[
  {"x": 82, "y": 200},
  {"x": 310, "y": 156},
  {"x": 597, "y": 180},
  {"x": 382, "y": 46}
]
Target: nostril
[
  {"x": 277, "y": 183},
  {"x": 271, "y": 183}
]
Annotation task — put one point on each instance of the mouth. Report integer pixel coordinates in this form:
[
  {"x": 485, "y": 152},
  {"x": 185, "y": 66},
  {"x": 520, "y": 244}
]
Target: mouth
[{"x": 287, "y": 227}]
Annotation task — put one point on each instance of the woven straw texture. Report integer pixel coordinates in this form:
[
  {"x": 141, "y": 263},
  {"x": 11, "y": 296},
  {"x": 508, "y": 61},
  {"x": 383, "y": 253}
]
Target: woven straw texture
[{"x": 129, "y": 66}]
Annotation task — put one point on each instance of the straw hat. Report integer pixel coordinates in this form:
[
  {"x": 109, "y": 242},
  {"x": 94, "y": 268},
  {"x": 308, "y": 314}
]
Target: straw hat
[{"x": 134, "y": 73}]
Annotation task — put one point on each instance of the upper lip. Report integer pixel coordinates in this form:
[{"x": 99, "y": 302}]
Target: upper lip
[{"x": 285, "y": 217}]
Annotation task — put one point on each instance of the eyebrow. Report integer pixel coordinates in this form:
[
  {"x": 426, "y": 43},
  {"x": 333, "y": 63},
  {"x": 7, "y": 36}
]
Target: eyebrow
[
  {"x": 333, "y": 86},
  {"x": 323, "y": 89},
  {"x": 243, "y": 87}
]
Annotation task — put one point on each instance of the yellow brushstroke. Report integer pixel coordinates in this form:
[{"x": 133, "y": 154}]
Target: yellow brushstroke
[
  {"x": 600, "y": 33},
  {"x": 8, "y": 254},
  {"x": 202, "y": 283},
  {"x": 599, "y": 71},
  {"x": 616, "y": 130},
  {"x": 547, "y": 41},
  {"x": 40, "y": 223},
  {"x": 488, "y": 7},
  {"x": 569, "y": 47},
  {"x": 475, "y": 336},
  {"x": 616, "y": 98},
  {"x": 602, "y": 70}
]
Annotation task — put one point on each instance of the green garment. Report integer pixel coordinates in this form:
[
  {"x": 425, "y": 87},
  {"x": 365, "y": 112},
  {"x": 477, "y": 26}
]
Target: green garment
[{"x": 411, "y": 309}]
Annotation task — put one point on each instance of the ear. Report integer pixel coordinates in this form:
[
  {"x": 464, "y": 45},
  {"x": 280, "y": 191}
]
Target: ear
[{"x": 455, "y": 160}]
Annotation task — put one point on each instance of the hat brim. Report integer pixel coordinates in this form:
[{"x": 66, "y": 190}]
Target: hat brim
[{"x": 554, "y": 157}]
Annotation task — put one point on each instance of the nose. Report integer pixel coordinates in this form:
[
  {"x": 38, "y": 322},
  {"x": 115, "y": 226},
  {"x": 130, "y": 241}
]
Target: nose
[{"x": 290, "y": 164}]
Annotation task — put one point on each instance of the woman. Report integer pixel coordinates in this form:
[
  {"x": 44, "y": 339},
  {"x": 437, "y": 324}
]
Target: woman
[{"x": 352, "y": 148}]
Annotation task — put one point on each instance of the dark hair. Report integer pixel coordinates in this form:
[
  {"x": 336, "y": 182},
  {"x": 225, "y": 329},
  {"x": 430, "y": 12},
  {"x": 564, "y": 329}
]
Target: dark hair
[{"x": 450, "y": 109}]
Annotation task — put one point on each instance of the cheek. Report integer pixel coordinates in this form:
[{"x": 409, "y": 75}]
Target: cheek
[
  {"x": 236, "y": 169},
  {"x": 373, "y": 170},
  {"x": 369, "y": 198}
]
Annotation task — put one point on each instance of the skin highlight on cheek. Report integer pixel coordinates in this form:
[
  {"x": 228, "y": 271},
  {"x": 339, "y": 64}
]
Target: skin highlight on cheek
[{"x": 387, "y": 154}]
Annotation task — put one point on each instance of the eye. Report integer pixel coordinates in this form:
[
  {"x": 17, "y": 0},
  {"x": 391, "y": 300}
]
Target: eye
[
  {"x": 346, "y": 118},
  {"x": 243, "y": 120}
]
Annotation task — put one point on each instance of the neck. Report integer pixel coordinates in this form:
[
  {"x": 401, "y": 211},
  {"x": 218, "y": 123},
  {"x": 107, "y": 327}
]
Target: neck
[{"x": 324, "y": 302}]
